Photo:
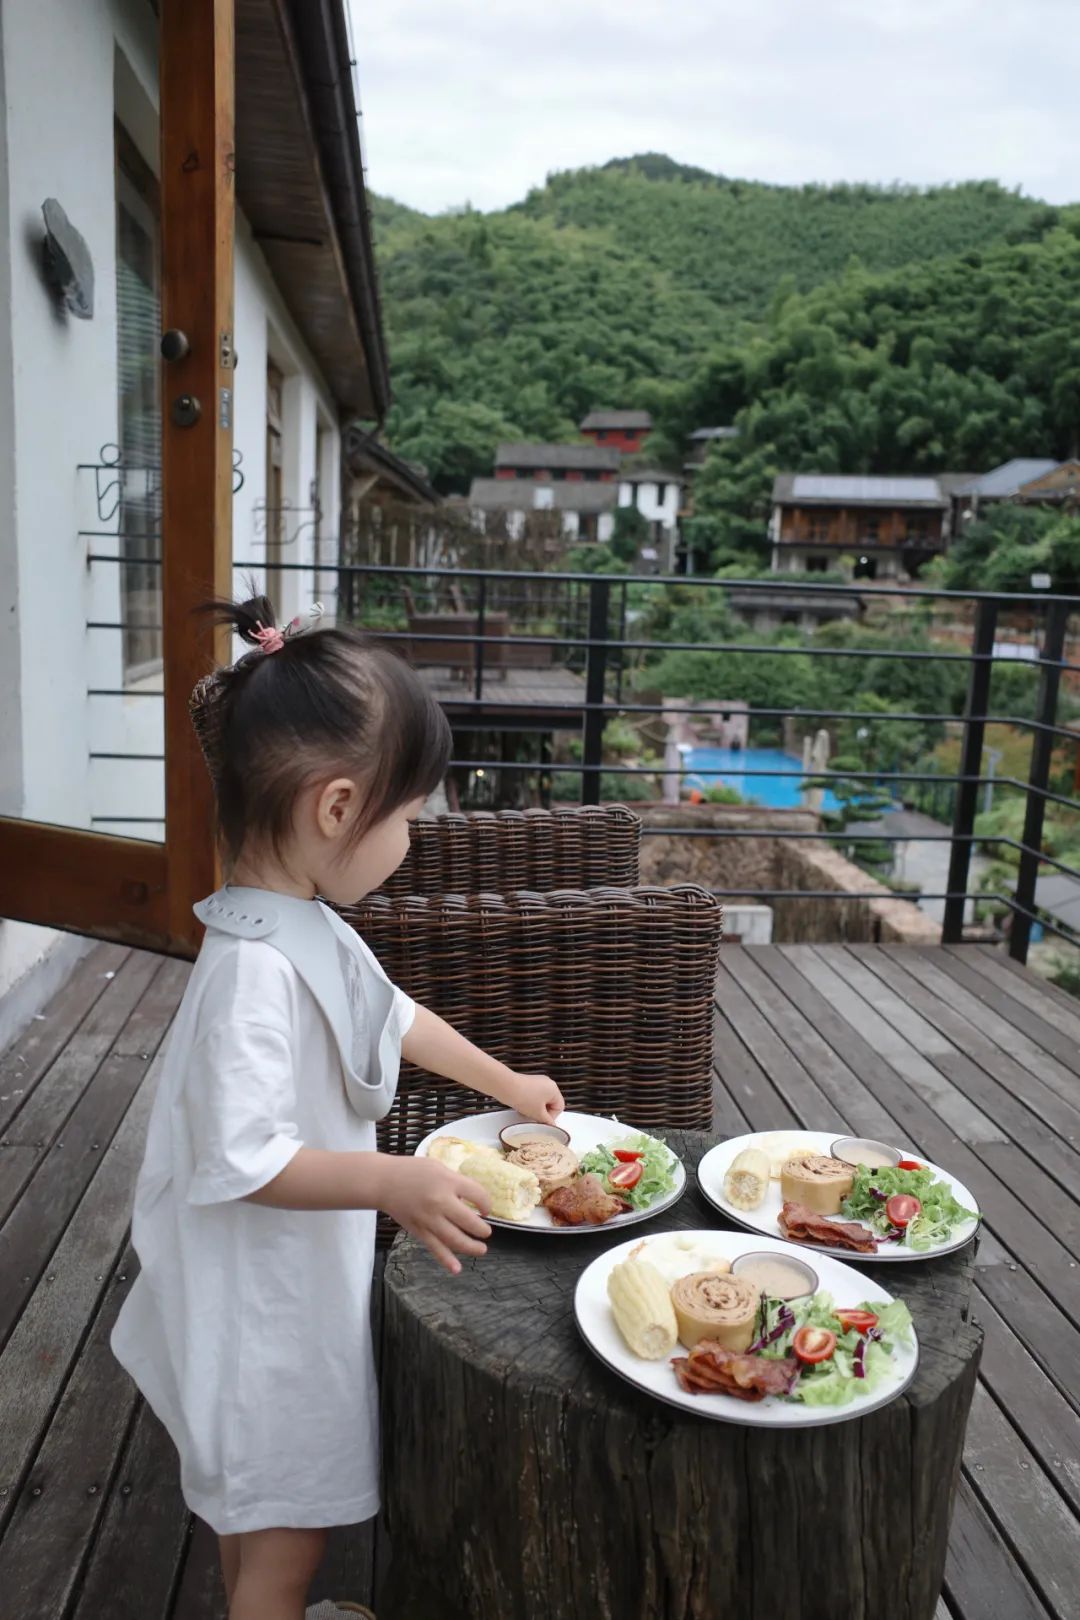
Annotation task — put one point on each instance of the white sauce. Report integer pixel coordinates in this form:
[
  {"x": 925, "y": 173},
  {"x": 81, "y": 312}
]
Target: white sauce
[
  {"x": 775, "y": 1277},
  {"x": 872, "y": 1158}
]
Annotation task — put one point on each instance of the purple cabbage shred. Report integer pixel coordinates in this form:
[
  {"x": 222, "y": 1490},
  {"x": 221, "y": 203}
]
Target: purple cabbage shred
[{"x": 784, "y": 1322}]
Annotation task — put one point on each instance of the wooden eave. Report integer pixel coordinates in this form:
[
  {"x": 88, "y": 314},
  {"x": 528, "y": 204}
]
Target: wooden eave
[{"x": 299, "y": 182}]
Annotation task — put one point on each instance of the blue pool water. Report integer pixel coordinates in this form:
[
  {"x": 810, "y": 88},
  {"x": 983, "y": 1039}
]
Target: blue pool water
[{"x": 712, "y": 766}]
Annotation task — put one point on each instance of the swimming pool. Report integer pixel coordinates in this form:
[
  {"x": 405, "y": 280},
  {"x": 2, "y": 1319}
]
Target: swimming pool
[{"x": 711, "y": 766}]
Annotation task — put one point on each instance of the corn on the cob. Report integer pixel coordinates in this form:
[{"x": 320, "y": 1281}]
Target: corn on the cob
[
  {"x": 747, "y": 1179},
  {"x": 454, "y": 1150},
  {"x": 641, "y": 1304},
  {"x": 514, "y": 1192}
]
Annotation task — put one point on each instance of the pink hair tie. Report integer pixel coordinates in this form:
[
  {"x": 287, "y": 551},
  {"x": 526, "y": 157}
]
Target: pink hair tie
[{"x": 269, "y": 637}]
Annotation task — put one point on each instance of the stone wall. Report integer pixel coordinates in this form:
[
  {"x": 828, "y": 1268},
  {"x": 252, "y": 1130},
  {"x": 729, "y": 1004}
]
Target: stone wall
[
  {"x": 817, "y": 866},
  {"x": 717, "y": 863},
  {"x": 761, "y": 862}
]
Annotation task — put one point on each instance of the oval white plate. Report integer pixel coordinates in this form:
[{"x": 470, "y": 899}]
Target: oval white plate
[
  {"x": 848, "y": 1288},
  {"x": 714, "y": 1165},
  {"x": 587, "y": 1131}
]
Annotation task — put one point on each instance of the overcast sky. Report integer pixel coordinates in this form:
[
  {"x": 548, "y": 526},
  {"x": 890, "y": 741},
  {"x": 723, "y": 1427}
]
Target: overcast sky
[{"x": 477, "y": 100}]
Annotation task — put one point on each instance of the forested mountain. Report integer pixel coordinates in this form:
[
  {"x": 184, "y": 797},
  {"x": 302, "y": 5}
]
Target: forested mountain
[
  {"x": 640, "y": 283},
  {"x": 952, "y": 365}
]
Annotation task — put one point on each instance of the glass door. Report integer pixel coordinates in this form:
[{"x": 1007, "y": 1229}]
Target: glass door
[{"x": 115, "y": 463}]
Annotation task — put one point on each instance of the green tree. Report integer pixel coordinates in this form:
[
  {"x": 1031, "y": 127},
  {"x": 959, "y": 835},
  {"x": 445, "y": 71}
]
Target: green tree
[{"x": 630, "y": 533}]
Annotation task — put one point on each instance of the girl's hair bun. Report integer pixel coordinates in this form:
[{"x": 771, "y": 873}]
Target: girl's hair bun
[{"x": 247, "y": 618}]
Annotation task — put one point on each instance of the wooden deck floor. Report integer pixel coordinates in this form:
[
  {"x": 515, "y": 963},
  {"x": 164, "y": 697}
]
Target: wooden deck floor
[{"x": 965, "y": 1057}]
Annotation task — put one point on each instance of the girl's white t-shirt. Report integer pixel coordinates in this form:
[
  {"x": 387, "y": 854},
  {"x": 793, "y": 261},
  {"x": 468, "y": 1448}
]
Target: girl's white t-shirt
[{"x": 248, "y": 1328}]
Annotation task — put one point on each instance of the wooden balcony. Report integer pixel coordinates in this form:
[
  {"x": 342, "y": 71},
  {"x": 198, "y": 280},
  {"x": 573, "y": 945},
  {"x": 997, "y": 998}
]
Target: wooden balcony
[{"x": 959, "y": 1052}]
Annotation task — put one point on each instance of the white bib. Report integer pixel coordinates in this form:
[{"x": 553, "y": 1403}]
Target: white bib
[{"x": 365, "y": 1012}]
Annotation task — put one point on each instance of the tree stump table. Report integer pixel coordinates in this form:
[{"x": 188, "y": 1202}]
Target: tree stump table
[{"x": 524, "y": 1481}]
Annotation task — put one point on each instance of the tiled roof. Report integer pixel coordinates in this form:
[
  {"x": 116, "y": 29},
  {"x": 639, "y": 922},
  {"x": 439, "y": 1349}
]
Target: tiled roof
[
  {"x": 519, "y": 495},
  {"x": 1011, "y": 476},
  {"x": 578, "y": 457},
  {"x": 833, "y": 490},
  {"x": 628, "y": 420}
]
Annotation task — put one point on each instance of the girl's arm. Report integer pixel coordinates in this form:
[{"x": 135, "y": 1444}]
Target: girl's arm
[
  {"x": 432, "y": 1044},
  {"x": 425, "y": 1197}
]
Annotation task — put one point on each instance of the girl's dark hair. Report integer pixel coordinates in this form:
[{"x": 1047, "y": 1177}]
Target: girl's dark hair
[{"x": 327, "y": 702}]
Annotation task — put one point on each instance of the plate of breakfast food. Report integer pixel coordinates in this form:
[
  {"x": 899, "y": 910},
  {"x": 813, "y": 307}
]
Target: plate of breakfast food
[
  {"x": 574, "y": 1176},
  {"x": 869, "y": 1200},
  {"x": 743, "y": 1330}
]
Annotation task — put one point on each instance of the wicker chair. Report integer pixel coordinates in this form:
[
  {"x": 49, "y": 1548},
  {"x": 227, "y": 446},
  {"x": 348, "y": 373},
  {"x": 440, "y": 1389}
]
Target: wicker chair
[{"x": 526, "y": 931}]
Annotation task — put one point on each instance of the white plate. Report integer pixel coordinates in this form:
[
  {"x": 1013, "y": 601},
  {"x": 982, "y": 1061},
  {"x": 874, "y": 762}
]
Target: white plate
[
  {"x": 714, "y": 1165},
  {"x": 587, "y": 1131},
  {"x": 848, "y": 1288}
]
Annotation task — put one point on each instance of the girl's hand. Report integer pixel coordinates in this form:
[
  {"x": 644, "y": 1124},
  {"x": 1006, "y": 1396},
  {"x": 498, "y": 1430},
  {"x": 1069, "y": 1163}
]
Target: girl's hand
[
  {"x": 534, "y": 1095},
  {"x": 432, "y": 1202}
]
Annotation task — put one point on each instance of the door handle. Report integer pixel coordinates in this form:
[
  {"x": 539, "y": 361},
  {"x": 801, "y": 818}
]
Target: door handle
[{"x": 174, "y": 344}]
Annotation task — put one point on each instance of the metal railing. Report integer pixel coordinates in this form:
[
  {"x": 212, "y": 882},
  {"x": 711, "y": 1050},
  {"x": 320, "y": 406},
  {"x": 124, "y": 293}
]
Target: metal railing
[{"x": 583, "y": 626}]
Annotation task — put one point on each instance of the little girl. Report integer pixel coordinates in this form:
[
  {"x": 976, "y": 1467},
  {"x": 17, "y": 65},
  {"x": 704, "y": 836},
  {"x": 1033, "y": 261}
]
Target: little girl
[{"x": 247, "y": 1329}]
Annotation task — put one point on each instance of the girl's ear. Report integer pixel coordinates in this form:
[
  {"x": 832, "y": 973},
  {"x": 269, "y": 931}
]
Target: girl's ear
[{"x": 335, "y": 806}]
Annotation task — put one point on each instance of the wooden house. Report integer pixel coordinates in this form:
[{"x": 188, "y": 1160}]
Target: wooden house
[
  {"x": 189, "y": 315},
  {"x": 889, "y": 527}
]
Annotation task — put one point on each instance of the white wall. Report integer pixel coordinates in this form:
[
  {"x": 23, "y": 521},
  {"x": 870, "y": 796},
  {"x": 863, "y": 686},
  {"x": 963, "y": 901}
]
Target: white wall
[
  {"x": 265, "y": 330},
  {"x": 646, "y": 497}
]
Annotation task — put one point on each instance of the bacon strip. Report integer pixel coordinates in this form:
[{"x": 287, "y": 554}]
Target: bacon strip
[
  {"x": 801, "y": 1225},
  {"x": 709, "y": 1369},
  {"x": 583, "y": 1201}
]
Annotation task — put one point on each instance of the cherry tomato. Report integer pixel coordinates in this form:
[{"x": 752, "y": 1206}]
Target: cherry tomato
[
  {"x": 814, "y": 1344},
  {"x": 902, "y": 1208},
  {"x": 627, "y": 1175},
  {"x": 628, "y": 1155},
  {"x": 861, "y": 1321},
  {"x": 910, "y": 1164}
]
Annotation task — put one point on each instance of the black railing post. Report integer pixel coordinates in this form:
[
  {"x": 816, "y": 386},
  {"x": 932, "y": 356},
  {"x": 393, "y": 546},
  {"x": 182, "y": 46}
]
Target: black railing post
[
  {"x": 478, "y": 643},
  {"x": 1042, "y": 748},
  {"x": 967, "y": 791},
  {"x": 622, "y": 638},
  {"x": 592, "y": 729}
]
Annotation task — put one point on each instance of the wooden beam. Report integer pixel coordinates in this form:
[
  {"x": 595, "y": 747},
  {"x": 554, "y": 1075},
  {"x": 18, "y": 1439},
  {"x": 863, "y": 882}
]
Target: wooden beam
[
  {"x": 197, "y": 76},
  {"x": 88, "y": 883}
]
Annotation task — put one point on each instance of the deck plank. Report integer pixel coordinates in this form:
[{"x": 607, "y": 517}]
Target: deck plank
[
  {"x": 145, "y": 1527},
  {"x": 48, "y": 1035},
  {"x": 982, "y": 980},
  {"x": 59, "y": 1506},
  {"x": 1032, "y": 1517},
  {"x": 42, "y": 1349},
  {"x": 72, "y": 1157},
  {"x": 982, "y": 1579},
  {"x": 991, "y": 1041}
]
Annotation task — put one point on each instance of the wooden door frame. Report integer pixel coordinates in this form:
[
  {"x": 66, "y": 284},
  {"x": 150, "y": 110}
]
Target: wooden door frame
[{"x": 127, "y": 889}]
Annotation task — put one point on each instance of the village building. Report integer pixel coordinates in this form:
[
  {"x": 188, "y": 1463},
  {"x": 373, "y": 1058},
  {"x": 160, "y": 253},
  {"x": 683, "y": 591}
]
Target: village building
[
  {"x": 699, "y": 442},
  {"x": 657, "y": 495},
  {"x": 625, "y": 431},
  {"x": 579, "y": 510},
  {"x": 574, "y": 482},
  {"x": 1028, "y": 481},
  {"x": 885, "y": 528}
]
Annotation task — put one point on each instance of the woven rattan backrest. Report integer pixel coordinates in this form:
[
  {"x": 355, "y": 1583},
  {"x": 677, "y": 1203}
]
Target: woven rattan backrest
[
  {"x": 610, "y": 991},
  {"x": 484, "y": 852}
]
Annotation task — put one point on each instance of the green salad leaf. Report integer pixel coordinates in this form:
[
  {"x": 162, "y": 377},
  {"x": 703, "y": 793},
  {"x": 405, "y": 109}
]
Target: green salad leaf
[
  {"x": 934, "y": 1223},
  {"x": 833, "y": 1382},
  {"x": 658, "y": 1165}
]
